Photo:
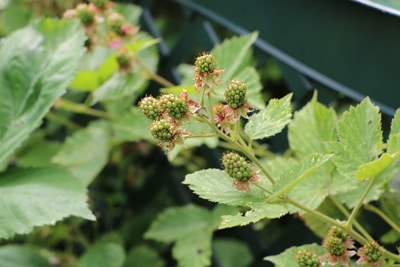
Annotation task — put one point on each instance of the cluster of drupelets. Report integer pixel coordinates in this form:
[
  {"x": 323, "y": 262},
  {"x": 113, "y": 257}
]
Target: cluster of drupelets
[
  {"x": 169, "y": 111},
  {"x": 105, "y": 26},
  {"x": 340, "y": 248}
]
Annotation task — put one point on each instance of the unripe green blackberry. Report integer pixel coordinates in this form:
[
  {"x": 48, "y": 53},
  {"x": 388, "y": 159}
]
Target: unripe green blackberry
[
  {"x": 372, "y": 251},
  {"x": 205, "y": 64},
  {"x": 236, "y": 166},
  {"x": 338, "y": 232},
  {"x": 85, "y": 15},
  {"x": 307, "y": 258},
  {"x": 150, "y": 108},
  {"x": 174, "y": 106},
  {"x": 334, "y": 245},
  {"x": 162, "y": 130},
  {"x": 123, "y": 59},
  {"x": 236, "y": 94},
  {"x": 115, "y": 21},
  {"x": 99, "y": 3}
]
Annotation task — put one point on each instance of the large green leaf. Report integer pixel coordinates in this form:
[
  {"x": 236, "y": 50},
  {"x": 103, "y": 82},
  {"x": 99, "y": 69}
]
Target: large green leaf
[
  {"x": 393, "y": 143},
  {"x": 175, "y": 223},
  {"x": 183, "y": 225},
  {"x": 297, "y": 173},
  {"x": 232, "y": 252},
  {"x": 85, "y": 152},
  {"x": 360, "y": 138},
  {"x": 271, "y": 120},
  {"x": 216, "y": 185},
  {"x": 39, "y": 196},
  {"x": 37, "y": 65},
  {"x": 263, "y": 211},
  {"x": 311, "y": 127},
  {"x": 233, "y": 55},
  {"x": 103, "y": 255},
  {"x": 18, "y": 256},
  {"x": 143, "y": 256}
]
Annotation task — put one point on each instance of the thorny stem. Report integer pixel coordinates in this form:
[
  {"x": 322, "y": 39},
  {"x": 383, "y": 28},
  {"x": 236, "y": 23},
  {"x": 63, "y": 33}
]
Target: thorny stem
[
  {"x": 82, "y": 109},
  {"x": 359, "y": 238},
  {"x": 359, "y": 204},
  {"x": 153, "y": 75},
  {"x": 239, "y": 147},
  {"x": 359, "y": 227},
  {"x": 383, "y": 216}
]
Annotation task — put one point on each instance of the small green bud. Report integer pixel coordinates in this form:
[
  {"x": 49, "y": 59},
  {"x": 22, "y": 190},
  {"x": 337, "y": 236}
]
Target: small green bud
[
  {"x": 123, "y": 59},
  {"x": 115, "y": 21},
  {"x": 373, "y": 251},
  {"x": 335, "y": 246},
  {"x": 150, "y": 108},
  {"x": 236, "y": 94},
  {"x": 174, "y": 106},
  {"x": 236, "y": 166}
]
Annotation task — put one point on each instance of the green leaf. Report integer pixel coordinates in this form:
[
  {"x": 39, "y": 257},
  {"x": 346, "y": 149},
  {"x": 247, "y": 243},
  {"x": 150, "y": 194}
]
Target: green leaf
[
  {"x": 264, "y": 211},
  {"x": 360, "y": 138},
  {"x": 85, "y": 152},
  {"x": 296, "y": 174},
  {"x": 240, "y": 47},
  {"x": 393, "y": 143},
  {"x": 231, "y": 252},
  {"x": 287, "y": 258},
  {"x": 38, "y": 154},
  {"x": 18, "y": 256},
  {"x": 193, "y": 250},
  {"x": 37, "y": 64},
  {"x": 143, "y": 256},
  {"x": 216, "y": 185},
  {"x": 271, "y": 120},
  {"x": 374, "y": 168},
  {"x": 39, "y": 196},
  {"x": 103, "y": 255},
  {"x": 132, "y": 126},
  {"x": 175, "y": 223},
  {"x": 311, "y": 127}
]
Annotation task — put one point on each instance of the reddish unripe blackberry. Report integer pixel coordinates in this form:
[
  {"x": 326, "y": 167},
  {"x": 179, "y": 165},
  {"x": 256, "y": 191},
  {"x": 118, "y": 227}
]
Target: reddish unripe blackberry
[
  {"x": 236, "y": 94},
  {"x": 115, "y": 21},
  {"x": 149, "y": 107},
  {"x": 84, "y": 14},
  {"x": 307, "y": 258},
  {"x": 236, "y": 166},
  {"x": 174, "y": 106},
  {"x": 162, "y": 130},
  {"x": 204, "y": 64}
]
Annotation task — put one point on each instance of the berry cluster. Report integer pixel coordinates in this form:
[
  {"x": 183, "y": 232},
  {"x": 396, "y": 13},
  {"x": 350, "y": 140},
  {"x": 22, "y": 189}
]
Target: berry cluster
[
  {"x": 335, "y": 246},
  {"x": 307, "y": 258},
  {"x": 162, "y": 130},
  {"x": 149, "y": 107},
  {"x": 205, "y": 64},
  {"x": 236, "y": 94},
  {"x": 172, "y": 105},
  {"x": 370, "y": 254},
  {"x": 236, "y": 166}
]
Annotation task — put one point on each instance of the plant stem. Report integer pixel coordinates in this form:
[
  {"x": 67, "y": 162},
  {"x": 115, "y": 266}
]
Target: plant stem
[
  {"x": 359, "y": 204},
  {"x": 153, "y": 75},
  {"x": 359, "y": 227},
  {"x": 82, "y": 109},
  {"x": 62, "y": 120},
  {"x": 239, "y": 147},
  {"x": 359, "y": 238},
  {"x": 383, "y": 216}
]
